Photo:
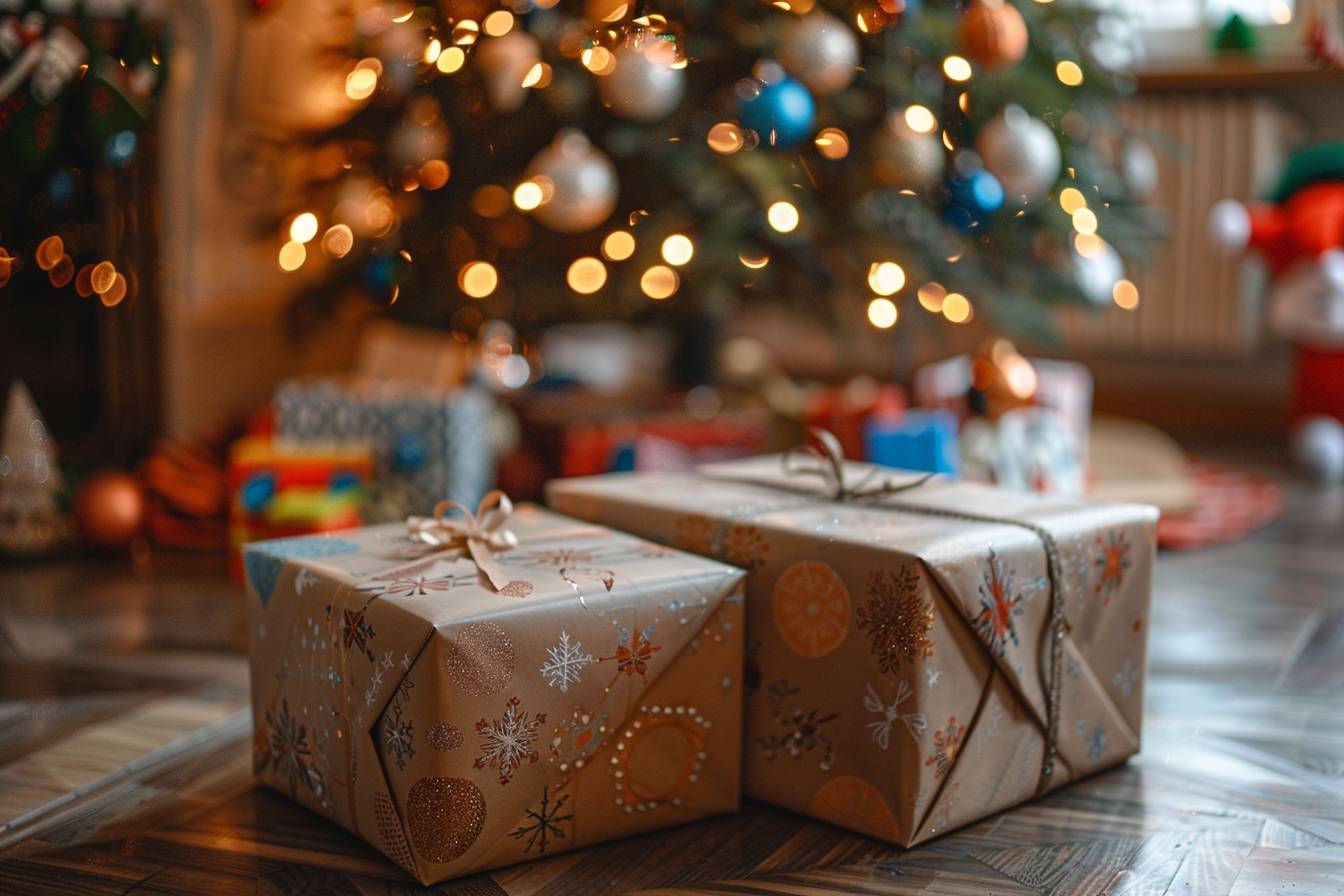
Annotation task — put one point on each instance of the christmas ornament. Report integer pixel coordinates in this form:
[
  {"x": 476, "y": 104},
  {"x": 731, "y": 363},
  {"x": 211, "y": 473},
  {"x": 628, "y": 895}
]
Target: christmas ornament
[
  {"x": 1138, "y": 166},
  {"x": 644, "y": 86},
  {"x": 819, "y": 50},
  {"x": 1097, "y": 270},
  {"x": 903, "y": 157},
  {"x": 30, "y": 522},
  {"x": 578, "y": 181},
  {"x": 972, "y": 198},
  {"x": 109, "y": 509},
  {"x": 781, "y": 112},
  {"x": 993, "y": 33},
  {"x": 1021, "y": 152},
  {"x": 503, "y": 63},
  {"x": 1318, "y": 445}
]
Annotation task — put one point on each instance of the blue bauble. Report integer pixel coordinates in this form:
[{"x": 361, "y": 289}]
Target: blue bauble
[
  {"x": 784, "y": 109},
  {"x": 409, "y": 453},
  {"x": 120, "y": 148},
  {"x": 383, "y": 274},
  {"x": 257, "y": 492},
  {"x": 971, "y": 199}
]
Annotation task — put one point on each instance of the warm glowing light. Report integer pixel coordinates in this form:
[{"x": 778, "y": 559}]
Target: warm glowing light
[
  {"x": 1089, "y": 245},
  {"x": 434, "y": 174},
  {"x": 598, "y": 60},
  {"x": 83, "y": 279},
  {"x": 659, "y": 282},
  {"x": 882, "y": 313},
  {"x": 450, "y": 60},
  {"x": 49, "y": 251},
  {"x": 1085, "y": 221},
  {"x": 490, "y": 200},
  {"x": 1018, "y": 374},
  {"x": 498, "y": 23},
  {"x": 478, "y": 279},
  {"x": 885, "y": 277},
  {"x": 964, "y": 101},
  {"x": 1069, "y": 73},
  {"x": 618, "y": 246},
  {"x": 783, "y": 216},
  {"x": 1280, "y": 13},
  {"x": 956, "y": 308},
  {"x": 432, "y": 50},
  {"x": 1071, "y": 199},
  {"x": 725, "y": 138},
  {"x": 833, "y": 144},
  {"x": 116, "y": 293},
  {"x": 1125, "y": 294},
  {"x": 303, "y": 228},
  {"x": 465, "y": 32},
  {"x": 360, "y": 83},
  {"x": 102, "y": 277},
  {"x": 678, "y": 249},
  {"x": 337, "y": 241},
  {"x": 931, "y": 296},
  {"x": 533, "y": 76},
  {"x": 527, "y": 195},
  {"x": 957, "y": 69},
  {"x": 62, "y": 272},
  {"x": 753, "y": 260},
  {"x": 920, "y": 119},
  {"x": 292, "y": 256},
  {"x": 586, "y": 275}
]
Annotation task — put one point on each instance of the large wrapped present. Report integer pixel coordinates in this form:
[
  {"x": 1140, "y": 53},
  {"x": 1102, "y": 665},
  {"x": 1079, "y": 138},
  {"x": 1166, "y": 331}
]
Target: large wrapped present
[
  {"x": 579, "y": 686},
  {"x": 920, "y": 653},
  {"x": 429, "y": 445}
]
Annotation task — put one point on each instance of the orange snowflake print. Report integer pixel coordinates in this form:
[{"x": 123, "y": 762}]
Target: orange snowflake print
[
  {"x": 1111, "y": 563},
  {"x": 1000, "y": 604},
  {"x": 695, "y": 533},
  {"x": 745, "y": 546},
  {"x": 634, "y": 650},
  {"x": 946, "y": 745}
]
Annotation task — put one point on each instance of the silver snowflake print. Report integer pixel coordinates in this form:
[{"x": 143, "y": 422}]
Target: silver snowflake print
[
  {"x": 399, "y": 734},
  {"x": 564, "y": 663},
  {"x": 543, "y": 824},
  {"x": 409, "y": 586},
  {"x": 914, "y": 722},
  {"x": 507, "y": 743},
  {"x": 1096, "y": 743},
  {"x": 1126, "y": 678}
]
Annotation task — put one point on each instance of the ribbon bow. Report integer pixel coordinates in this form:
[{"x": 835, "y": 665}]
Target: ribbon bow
[
  {"x": 453, "y": 526},
  {"x": 824, "y": 458}
]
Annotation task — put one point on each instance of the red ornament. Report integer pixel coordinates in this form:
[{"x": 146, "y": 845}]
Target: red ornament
[
  {"x": 110, "y": 509},
  {"x": 993, "y": 33}
]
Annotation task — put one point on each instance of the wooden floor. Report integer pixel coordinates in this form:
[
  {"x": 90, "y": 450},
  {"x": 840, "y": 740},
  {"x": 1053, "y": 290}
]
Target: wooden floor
[{"x": 124, "y": 757}]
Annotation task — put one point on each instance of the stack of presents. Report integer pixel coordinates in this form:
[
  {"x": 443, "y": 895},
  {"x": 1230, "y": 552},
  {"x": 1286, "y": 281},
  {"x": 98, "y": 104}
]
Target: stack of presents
[{"x": 894, "y": 653}]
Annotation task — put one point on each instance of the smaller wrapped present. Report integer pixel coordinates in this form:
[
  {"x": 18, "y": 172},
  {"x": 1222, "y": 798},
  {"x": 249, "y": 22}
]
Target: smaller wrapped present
[
  {"x": 915, "y": 440},
  {"x": 428, "y": 445},
  {"x": 472, "y": 691}
]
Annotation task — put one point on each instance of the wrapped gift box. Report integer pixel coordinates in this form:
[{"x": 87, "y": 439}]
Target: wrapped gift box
[
  {"x": 899, "y": 670},
  {"x": 457, "y": 728},
  {"x": 429, "y": 445}
]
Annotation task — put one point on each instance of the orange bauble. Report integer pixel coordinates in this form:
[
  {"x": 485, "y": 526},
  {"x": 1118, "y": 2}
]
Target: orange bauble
[
  {"x": 993, "y": 33},
  {"x": 109, "y": 509}
]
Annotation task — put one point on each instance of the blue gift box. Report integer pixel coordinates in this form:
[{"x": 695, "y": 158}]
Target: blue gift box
[{"x": 916, "y": 440}]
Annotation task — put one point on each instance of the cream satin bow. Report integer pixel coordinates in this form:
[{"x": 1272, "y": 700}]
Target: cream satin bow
[
  {"x": 453, "y": 526},
  {"x": 824, "y": 457}
]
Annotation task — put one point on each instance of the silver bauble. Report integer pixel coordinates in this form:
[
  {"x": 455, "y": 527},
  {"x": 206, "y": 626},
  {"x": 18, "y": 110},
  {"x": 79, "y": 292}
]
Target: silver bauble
[
  {"x": 578, "y": 183},
  {"x": 1097, "y": 272},
  {"x": 503, "y": 63},
  {"x": 819, "y": 50},
  {"x": 1021, "y": 152},
  {"x": 905, "y": 158},
  {"x": 643, "y": 86}
]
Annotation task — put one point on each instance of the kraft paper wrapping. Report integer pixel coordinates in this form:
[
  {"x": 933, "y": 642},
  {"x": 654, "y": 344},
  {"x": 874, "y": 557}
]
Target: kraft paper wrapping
[
  {"x": 894, "y": 659},
  {"x": 459, "y": 728}
]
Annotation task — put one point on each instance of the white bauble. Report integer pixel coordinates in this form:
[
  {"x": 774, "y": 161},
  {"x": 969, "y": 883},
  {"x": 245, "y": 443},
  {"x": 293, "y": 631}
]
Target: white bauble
[
  {"x": 579, "y": 186},
  {"x": 1230, "y": 225},
  {"x": 903, "y": 157},
  {"x": 1318, "y": 445},
  {"x": 503, "y": 63},
  {"x": 1139, "y": 167},
  {"x": 1097, "y": 272},
  {"x": 1021, "y": 152},
  {"x": 643, "y": 86},
  {"x": 819, "y": 50}
]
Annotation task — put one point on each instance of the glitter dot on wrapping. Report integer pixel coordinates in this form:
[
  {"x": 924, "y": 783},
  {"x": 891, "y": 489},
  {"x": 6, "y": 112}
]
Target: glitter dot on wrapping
[
  {"x": 516, "y": 588},
  {"x": 446, "y": 815},
  {"x": 444, "y": 737},
  {"x": 480, "y": 658},
  {"x": 390, "y": 834}
]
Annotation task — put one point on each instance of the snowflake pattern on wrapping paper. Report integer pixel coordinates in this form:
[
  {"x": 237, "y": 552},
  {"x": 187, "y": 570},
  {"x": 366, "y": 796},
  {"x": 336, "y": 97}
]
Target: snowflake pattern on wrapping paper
[
  {"x": 409, "y": 586},
  {"x": 399, "y": 732},
  {"x": 745, "y": 546},
  {"x": 356, "y": 633},
  {"x": 693, "y": 532},
  {"x": 946, "y": 745},
  {"x": 800, "y": 731},
  {"x": 1111, "y": 563},
  {"x": 289, "y": 752},
  {"x": 890, "y": 713},
  {"x": 565, "y": 663},
  {"x": 897, "y": 618},
  {"x": 576, "y": 739},
  {"x": 542, "y": 824},
  {"x": 1126, "y": 678},
  {"x": 556, "y": 557},
  {"x": 507, "y": 743},
  {"x": 1096, "y": 743},
  {"x": 634, "y": 650},
  {"x": 1000, "y": 604}
]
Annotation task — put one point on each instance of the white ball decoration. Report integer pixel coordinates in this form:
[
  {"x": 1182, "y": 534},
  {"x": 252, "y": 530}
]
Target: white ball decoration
[
  {"x": 903, "y": 157},
  {"x": 503, "y": 63},
  {"x": 644, "y": 85},
  {"x": 578, "y": 183},
  {"x": 1097, "y": 272},
  {"x": 1139, "y": 167},
  {"x": 1021, "y": 151},
  {"x": 1230, "y": 225},
  {"x": 1318, "y": 446},
  {"x": 819, "y": 50}
]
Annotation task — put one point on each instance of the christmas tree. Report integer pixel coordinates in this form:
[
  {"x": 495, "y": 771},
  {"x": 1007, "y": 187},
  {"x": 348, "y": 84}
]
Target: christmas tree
[
  {"x": 30, "y": 521},
  {"x": 544, "y": 161}
]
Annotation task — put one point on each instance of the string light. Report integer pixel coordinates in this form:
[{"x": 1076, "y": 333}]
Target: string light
[
  {"x": 360, "y": 83},
  {"x": 956, "y": 308},
  {"x": 1125, "y": 294},
  {"x": 338, "y": 241},
  {"x": 1071, "y": 199},
  {"x": 783, "y": 216},
  {"x": 1069, "y": 73},
  {"x": 478, "y": 279},
  {"x": 434, "y": 174},
  {"x": 753, "y": 261},
  {"x": 957, "y": 69},
  {"x": 432, "y": 50},
  {"x": 618, "y": 246},
  {"x": 833, "y": 144},
  {"x": 498, "y": 23},
  {"x": 931, "y": 296},
  {"x": 117, "y": 291},
  {"x": 678, "y": 249},
  {"x": 466, "y": 32},
  {"x": 303, "y": 228},
  {"x": 885, "y": 278},
  {"x": 1085, "y": 221},
  {"x": 920, "y": 119},
  {"x": 882, "y": 313},
  {"x": 659, "y": 282},
  {"x": 533, "y": 76},
  {"x": 586, "y": 275},
  {"x": 725, "y": 138},
  {"x": 450, "y": 60},
  {"x": 292, "y": 256},
  {"x": 527, "y": 195}
]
